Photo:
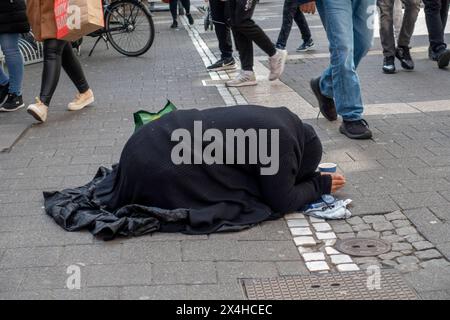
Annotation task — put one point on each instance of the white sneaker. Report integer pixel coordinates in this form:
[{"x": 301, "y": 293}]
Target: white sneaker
[
  {"x": 38, "y": 110},
  {"x": 243, "y": 79},
  {"x": 81, "y": 100},
  {"x": 276, "y": 64}
]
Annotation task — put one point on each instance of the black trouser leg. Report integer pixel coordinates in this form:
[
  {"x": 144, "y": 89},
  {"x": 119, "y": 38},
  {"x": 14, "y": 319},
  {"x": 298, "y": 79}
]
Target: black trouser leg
[
  {"x": 186, "y": 5},
  {"x": 246, "y": 31},
  {"x": 302, "y": 24},
  {"x": 288, "y": 16},
  {"x": 56, "y": 54},
  {"x": 173, "y": 5},
  {"x": 72, "y": 67},
  {"x": 220, "y": 14},
  {"x": 436, "y": 13}
]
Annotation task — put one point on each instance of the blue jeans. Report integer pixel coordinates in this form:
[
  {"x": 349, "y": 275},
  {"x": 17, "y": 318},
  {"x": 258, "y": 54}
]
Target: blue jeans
[
  {"x": 9, "y": 42},
  {"x": 349, "y": 26}
]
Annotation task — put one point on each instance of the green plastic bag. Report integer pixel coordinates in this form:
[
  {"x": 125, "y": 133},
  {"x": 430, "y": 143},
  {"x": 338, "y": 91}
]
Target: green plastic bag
[{"x": 143, "y": 117}]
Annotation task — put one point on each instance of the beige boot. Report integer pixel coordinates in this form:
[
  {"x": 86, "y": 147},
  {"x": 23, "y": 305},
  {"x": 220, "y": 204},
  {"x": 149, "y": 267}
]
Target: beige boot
[
  {"x": 81, "y": 100},
  {"x": 38, "y": 110}
]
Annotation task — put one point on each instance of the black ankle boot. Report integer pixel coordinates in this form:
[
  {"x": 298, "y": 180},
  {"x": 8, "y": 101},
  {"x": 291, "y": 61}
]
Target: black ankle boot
[{"x": 174, "y": 24}]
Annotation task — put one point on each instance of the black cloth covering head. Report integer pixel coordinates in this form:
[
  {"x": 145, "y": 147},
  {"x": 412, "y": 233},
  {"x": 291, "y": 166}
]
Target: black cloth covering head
[{"x": 148, "y": 192}]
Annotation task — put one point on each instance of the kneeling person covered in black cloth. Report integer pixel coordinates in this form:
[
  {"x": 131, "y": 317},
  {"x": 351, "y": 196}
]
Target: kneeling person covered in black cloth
[{"x": 190, "y": 172}]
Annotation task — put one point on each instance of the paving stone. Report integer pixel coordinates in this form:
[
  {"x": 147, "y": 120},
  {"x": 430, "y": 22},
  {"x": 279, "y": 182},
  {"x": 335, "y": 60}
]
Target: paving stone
[
  {"x": 342, "y": 228},
  {"x": 340, "y": 258},
  {"x": 366, "y": 266},
  {"x": 366, "y": 260},
  {"x": 313, "y": 256},
  {"x": 304, "y": 241},
  {"x": 444, "y": 248},
  {"x": 320, "y": 227},
  {"x": 390, "y": 255},
  {"x": 119, "y": 274},
  {"x": 428, "y": 254},
  {"x": 317, "y": 266},
  {"x": 411, "y": 238},
  {"x": 91, "y": 254},
  {"x": 404, "y": 231},
  {"x": 155, "y": 252},
  {"x": 30, "y": 257},
  {"x": 389, "y": 263},
  {"x": 211, "y": 250},
  {"x": 407, "y": 260},
  {"x": 368, "y": 234},
  {"x": 347, "y": 267},
  {"x": 230, "y": 271},
  {"x": 426, "y": 279},
  {"x": 325, "y": 235},
  {"x": 361, "y": 227},
  {"x": 401, "y": 223},
  {"x": 301, "y": 231},
  {"x": 329, "y": 242},
  {"x": 397, "y": 215},
  {"x": 291, "y": 268},
  {"x": 355, "y": 221},
  {"x": 418, "y": 200},
  {"x": 344, "y": 236},
  {"x": 435, "y": 263},
  {"x": 172, "y": 292},
  {"x": 387, "y": 233},
  {"x": 407, "y": 267},
  {"x": 228, "y": 291},
  {"x": 374, "y": 219},
  {"x": 422, "y": 245},
  {"x": 297, "y": 223},
  {"x": 330, "y": 251},
  {"x": 392, "y": 238},
  {"x": 435, "y": 295},
  {"x": 290, "y": 216},
  {"x": 400, "y": 246},
  {"x": 382, "y": 226}
]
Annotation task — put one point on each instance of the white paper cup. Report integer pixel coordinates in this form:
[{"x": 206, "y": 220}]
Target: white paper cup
[{"x": 328, "y": 167}]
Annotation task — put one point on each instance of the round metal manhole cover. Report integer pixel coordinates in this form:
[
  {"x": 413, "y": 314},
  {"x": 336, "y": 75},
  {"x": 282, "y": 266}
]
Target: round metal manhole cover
[{"x": 362, "y": 247}]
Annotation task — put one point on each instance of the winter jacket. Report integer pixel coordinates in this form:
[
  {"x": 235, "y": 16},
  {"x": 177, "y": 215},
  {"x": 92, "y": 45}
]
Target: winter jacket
[
  {"x": 42, "y": 19},
  {"x": 13, "y": 17}
]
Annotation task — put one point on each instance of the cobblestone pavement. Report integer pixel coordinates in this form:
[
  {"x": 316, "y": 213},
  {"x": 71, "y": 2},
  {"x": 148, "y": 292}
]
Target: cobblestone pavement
[{"x": 399, "y": 181}]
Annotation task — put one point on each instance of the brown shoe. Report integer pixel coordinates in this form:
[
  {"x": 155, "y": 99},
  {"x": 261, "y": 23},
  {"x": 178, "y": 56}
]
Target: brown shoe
[
  {"x": 38, "y": 110},
  {"x": 81, "y": 100}
]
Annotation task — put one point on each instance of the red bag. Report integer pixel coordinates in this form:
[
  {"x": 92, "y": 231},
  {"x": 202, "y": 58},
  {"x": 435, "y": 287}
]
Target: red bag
[
  {"x": 61, "y": 13},
  {"x": 77, "y": 18}
]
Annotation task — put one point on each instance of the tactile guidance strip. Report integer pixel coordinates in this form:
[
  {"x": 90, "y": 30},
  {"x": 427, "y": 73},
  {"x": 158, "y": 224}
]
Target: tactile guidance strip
[{"x": 357, "y": 285}]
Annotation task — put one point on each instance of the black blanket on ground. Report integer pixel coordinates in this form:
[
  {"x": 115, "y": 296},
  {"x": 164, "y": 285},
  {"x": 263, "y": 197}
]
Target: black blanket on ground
[{"x": 147, "y": 192}]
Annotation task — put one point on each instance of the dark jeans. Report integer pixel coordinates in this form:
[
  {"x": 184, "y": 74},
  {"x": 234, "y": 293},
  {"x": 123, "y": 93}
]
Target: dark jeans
[
  {"x": 412, "y": 8},
  {"x": 436, "y": 14},
  {"x": 291, "y": 12},
  {"x": 220, "y": 13},
  {"x": 174, "y": 7},
  {"x": 246, "y": 31},
  {"x": 59, "y": 53}
]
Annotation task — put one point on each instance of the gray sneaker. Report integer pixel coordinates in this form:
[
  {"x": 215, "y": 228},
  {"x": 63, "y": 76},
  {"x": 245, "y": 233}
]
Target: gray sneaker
[
  {"x": 243, "y": 79},
  {"x": 276, "y": 64}
]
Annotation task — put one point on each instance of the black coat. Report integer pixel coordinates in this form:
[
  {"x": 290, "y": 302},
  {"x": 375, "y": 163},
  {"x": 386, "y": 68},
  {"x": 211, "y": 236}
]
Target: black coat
[
  {"x": 147, "y": 192},
  {"x": 13, "y": 16}
]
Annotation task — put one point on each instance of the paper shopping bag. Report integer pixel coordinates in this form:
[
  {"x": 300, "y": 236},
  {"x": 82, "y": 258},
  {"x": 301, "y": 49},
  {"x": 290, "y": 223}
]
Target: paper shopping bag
[{"x": 77, "y": 18}]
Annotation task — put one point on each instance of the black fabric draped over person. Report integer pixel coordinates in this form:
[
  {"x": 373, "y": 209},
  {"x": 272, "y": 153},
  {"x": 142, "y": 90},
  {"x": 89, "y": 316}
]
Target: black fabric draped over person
[{"x": 147, "y": 192}]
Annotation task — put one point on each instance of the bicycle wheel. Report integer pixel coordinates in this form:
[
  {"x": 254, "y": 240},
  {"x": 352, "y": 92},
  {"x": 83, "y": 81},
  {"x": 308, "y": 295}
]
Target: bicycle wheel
[{"x": 129, "y": 27}]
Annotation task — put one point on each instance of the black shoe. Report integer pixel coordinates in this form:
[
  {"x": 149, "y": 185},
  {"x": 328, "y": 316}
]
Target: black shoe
[
  {"x": 326, "y": 105},
  {"x": 190, "y": 19},
  {"x": 223, "y": 64},
  {"x": 404, "y": 55},
  {"x": 4, "y": 93},
  {"x": 443, "y": 58},
  {"x": 13, "y": 103},
  {"x": 307, "y": 45},
  {"x": 174, "y": 24},
  {"x": 389, "y": 65},
  {"x": 356, "y": 129}
]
